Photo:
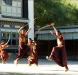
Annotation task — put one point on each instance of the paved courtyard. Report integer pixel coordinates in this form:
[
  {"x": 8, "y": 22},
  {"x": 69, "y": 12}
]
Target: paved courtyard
[{"x": 45, "y": 67}]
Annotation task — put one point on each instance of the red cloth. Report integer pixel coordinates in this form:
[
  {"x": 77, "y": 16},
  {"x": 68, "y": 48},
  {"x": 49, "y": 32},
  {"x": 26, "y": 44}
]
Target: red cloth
[
  {"x": 59, "y": 55},
  {"x": 22, "y": 51},
  {"x": 4, "y": 55},
  {"x": 33, "y": 57}
]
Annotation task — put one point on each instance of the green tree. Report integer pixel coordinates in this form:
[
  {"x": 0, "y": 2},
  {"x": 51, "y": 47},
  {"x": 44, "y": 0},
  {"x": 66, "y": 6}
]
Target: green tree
[{"x": 58, "y": 11}]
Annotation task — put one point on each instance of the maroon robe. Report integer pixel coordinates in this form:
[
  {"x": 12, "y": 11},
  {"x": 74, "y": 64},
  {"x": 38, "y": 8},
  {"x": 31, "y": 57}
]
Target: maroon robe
[
  {"x": 4, "y": 55},
  {"x": 22, "y": 51},
  {"x": 33, "y": 57},
  {"x": 59, "y": 55}
]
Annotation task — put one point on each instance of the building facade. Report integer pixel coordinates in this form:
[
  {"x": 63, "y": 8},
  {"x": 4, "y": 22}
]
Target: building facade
[{"x": 13, "y": 14}]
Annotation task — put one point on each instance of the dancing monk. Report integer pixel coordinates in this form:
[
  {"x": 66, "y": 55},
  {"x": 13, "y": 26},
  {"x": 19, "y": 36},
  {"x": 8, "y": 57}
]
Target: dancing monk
[
  {"x": 33, "y": 55},
  {"x": 58, "y": 53},
  {"x": 3, "y": 54},
  {"x": 23, "y": 48}
]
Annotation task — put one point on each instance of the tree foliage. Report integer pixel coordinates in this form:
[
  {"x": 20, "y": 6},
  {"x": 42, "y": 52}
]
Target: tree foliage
[{"x": 57, "y": 11}]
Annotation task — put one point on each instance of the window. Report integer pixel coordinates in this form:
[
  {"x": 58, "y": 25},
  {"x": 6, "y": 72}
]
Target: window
[
  {"x": 11, "y": 8},
  {"x": 19, "y": 4},
  {"x": 14, "y": 9},
  {"x": 14, "y": 3},
  {"x": 14, "y": 38},
  {"x": 6, "y": 26},
  {"x": 14, "y": 35},
  {"x": 8, "y": 2},
  {"x": 19, "y": 10},
  {"x": 13, "y": 42},
  {"x": 3, "y": 10},
  {"x": 16, "y": 26},
  {"x": 8, "y": 9},
  {"x": 5, "y": 36},
  {"x": 3, "y": 3}
]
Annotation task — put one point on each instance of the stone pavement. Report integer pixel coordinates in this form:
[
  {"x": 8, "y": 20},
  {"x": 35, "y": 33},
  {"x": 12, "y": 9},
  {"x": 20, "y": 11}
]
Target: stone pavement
[{"x": 45, "y": 67}]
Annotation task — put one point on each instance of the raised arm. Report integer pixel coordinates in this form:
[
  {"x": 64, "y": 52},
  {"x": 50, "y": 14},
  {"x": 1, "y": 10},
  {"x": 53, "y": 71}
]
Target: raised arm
[
  {"x": 21, "y": 29},
  {"x": 56, "y": 31}
]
